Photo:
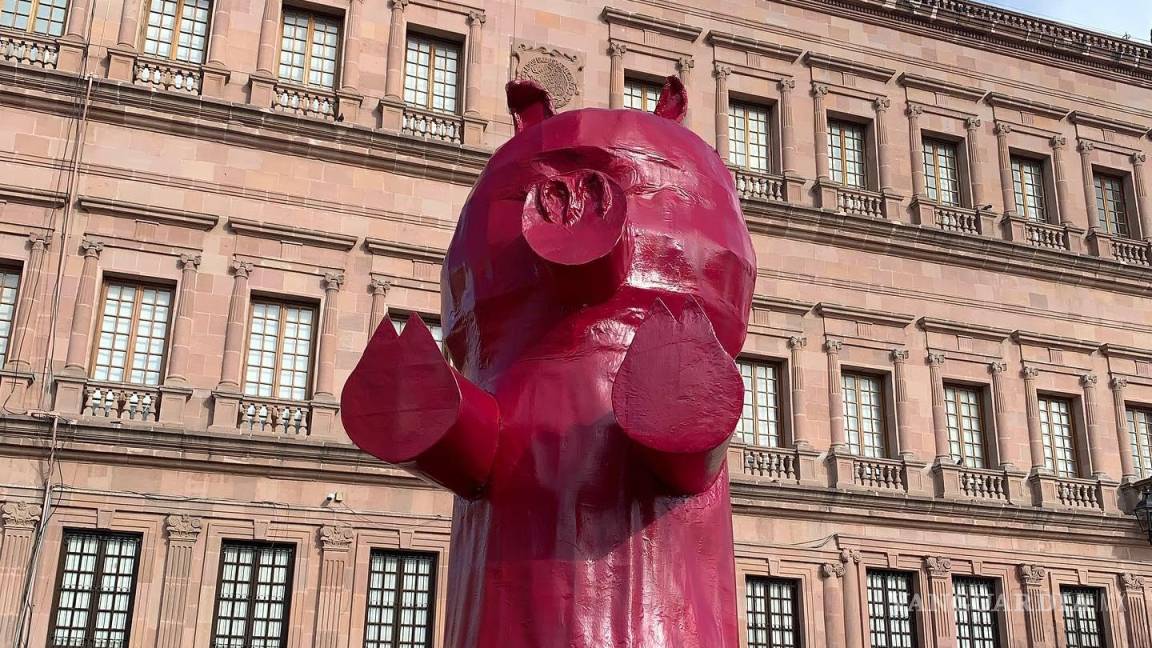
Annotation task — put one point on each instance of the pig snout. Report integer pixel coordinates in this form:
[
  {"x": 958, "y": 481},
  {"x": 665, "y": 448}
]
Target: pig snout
[{"x": 574, "y": 218}]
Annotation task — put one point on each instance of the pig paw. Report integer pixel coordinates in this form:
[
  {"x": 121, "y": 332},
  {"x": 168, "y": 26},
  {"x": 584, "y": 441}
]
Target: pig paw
[
  {"x": 403, "y": 397},
  {"x": 677, "y": 391}
]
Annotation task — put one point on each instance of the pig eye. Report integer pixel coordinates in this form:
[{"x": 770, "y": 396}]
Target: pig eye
[{"x": 572, "y": 197}]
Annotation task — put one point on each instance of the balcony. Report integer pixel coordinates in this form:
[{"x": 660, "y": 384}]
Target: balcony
[
  {"x": 167, "y": 75},
  {"x": 270, "y": 416},
  {"x": 121, "y": 402},
  {"x": 753, "y": 185},
  {"x": 28, "y": 50},
  {"x": 304, "y": 102},
  {"x": 1046, "y": 236},
  {"x": 425, "y": 124},
  {"x": 987, "y": 485},
  {"x": 879, "y": 474},
  {"x": 1125, "y": 250},
  {"x": 776, "y": 464}
]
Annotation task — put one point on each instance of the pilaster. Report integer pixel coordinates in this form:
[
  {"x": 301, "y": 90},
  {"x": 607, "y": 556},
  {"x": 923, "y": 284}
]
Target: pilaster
[
  {"x": 336, "y": 542},
  {"x": 175, "y": 392},
  {"x": 176, "y": 604},
  {"x": 1004, "y": 159},
  {"x": 1136, "y": 610},
  {"x": 899, "y": 359},
  {"x": 20, "y": 521},
  {"x": 616, "y": 52},
  {"x": 721, "y": 73},
  {"x": 1034, "y": 580},
  {"x": 939, "y": 411},
  {"x": 379, "y": 312},
  {"x": 800, "y": 433},
  {"x": 1123, "y": 438},
  {"x": 833, "y": 593},
  {"x": 941, "y": 605},
  {"x": 853, "y": 617}
]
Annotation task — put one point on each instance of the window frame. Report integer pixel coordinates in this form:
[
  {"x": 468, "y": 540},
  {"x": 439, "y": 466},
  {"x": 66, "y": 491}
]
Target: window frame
[
  {"x": 883, "y": 419},
  {"x": 798, "y": 635},
  {"x": 645, "y": 84},
  {"x": 1111, "y": 222},
  {"x": 289, "y": 583},
  {"x": 1141, "y": 452},
  {"x": 934, "y": 145},
  {"x": 313, "y": 346},
  {"x": 435, "y": 42},
  {"x": 780, "y": 378},
  {"x": 995, "y": 612},
  {"x": 97, "y": 573},
  {"x": 174, "y": 43},
  {"x": 1100, "y": 598},
  {"x": 987, "y": 441},
  {"x": 745, "y": 107},
  {"x": 140, "y": 285},
  {"x": 338, "y": 60},
  {"x": 30, "y": 29},
  {"x": 866, "y": 166},
  {"x": 913, "y": 610},
  {"x": 430, "y": 636},
  {"x": 1048, "y": 439},
  {"x": 1044, "y": 205},
  {"x": 6, "y": 341}
]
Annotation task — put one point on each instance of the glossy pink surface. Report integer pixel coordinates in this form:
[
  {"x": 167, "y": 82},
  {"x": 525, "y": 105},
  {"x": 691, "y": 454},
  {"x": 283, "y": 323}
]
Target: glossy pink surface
[{"x": 595, "y": 293}]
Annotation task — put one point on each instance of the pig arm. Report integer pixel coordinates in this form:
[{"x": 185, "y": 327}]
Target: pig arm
[
  {"x": 406, "y": 405},
  {"x": 678, "y": 396}
]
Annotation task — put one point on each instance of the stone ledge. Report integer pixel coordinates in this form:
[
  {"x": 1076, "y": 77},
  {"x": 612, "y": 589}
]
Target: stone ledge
[
  {"x": 292, "y": 234},
  {"x": 123, "y": 209},
  {"x": 645, "y": 22}
]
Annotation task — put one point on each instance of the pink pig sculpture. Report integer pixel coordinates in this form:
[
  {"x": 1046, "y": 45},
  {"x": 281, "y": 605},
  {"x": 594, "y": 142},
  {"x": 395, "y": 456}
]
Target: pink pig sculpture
[{"x": 595, "y": 294}]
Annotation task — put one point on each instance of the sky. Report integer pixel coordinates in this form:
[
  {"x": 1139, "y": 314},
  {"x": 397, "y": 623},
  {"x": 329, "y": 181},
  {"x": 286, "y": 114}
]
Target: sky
[{"x": 1117, "y": 17}]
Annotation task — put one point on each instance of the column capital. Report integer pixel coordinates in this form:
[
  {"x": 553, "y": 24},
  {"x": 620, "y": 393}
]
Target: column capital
[
  {"x": 1139, "y": 158},
  {"x": 797, "y": 342},
  {"x": 1119, "y": 383},
  {"x": 616, "y": 48},
  {"x": 183, "y": 528},
  {"x": 882, "y": 104},
  {"x": 914, "y": 110},
  {"x": 936, "y": 359},
  {"x": 1088, "y": 380},
  {"x": 832, "y": 570},
  {"x": 241, "y": 268},
  {"x": 1085, "y": 146},
  {"x": 1030, "y": 373},
  {"x": 849, "y": 556},
  {"x": 721, "y": 71},
  {"x": 1131, "y": 582},
  {"x": 332, "y": 281},
  {"x": 786, "y": 85},
  {"x": 20, "y": 515},
  {"x": 1032, "y": 575},
  {"x": 832, "y": 347},
  {"x": 189, "y": 261},
  {"x": 898, "y": 356},
  {"x": 38, "y": 241},
  {"x": 1002, "y": 128},
  {"x": 474, "y": 17},
  {"x": 398, "y": 5},
  {"x": 91, "y": 249},
  {"x": 337, "y": 537},
  {"x": 819, "y": 89},
  {"x": 380, "y": 286},
  {"x": 1058, "y": 142},
  {"x": 938, "y": 566},
  {"x": 685, "y": 63},
  {"x": 972, "y": 123},
  {"x": 997, "y": 367}
]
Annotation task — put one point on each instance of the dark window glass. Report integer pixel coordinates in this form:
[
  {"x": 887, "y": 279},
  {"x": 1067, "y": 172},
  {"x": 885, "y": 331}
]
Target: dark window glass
[
  {"x": 864, "y": 416},
  {"x": 890, "y": 613},
  {"x": 97, "y": 582},
  {"x": 1111, "y": 210},
  {"x": 400, "y": 598},
  {"x": 773, "y": 617},
  {"x": 1082, "y": 617},
  {"x": 253, "y": 595},
  {"x": 976, "y": 613}
]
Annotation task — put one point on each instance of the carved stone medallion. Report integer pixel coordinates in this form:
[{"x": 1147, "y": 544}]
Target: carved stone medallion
[{"x": 558, "y": 71}]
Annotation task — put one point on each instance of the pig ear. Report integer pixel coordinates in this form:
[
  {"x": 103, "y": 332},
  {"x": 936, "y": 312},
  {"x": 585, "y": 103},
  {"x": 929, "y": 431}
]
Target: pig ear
[
  {"x": 673, "y": 103},
  {"x": 528, "y": 102}
]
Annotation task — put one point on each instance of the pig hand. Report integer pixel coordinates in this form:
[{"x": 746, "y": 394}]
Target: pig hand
[
  {"x": 678, "y": 397},
  {"x": 404, "y": 404}
]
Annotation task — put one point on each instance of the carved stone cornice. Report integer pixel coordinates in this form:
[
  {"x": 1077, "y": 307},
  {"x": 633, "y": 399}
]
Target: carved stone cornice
[
  {"x": 781, "y": 305},
  {"x": 1000, "y": 100},
  {"x": 292, "y": 234},
  {"x": 337, "y": 537},
  {"x": 938, "y": 566},
  {"x": 835, "y": 63},
  {"x": 136, "y": 211},
  {"x": 645, "y": 22},
  {"x": 400, "y": 250},
  {"x": 1126, "y": 352},
  {"x": 20, "y": 515},
  {"x": 934, "y": 325},
  {"x": 182, "y": 528},
  {"x": 911, "y": 80},
  {"x": 854, "y": 314},
  {"x": 30, "y": 196},
  {"x": 1080, "y": 117},
  {"x": 1032, "y": 575},
  {"x": 745, "y": 44},
  {"x": 1054, "y": 342}
]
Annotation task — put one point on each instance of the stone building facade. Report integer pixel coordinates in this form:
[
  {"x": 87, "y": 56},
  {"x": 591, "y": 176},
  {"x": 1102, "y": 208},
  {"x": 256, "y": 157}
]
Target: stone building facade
[{"x": 207, "y": 205}]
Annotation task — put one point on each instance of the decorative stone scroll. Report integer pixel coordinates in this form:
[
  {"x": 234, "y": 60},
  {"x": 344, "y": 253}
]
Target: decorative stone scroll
[{"x": 559, "y": 71}]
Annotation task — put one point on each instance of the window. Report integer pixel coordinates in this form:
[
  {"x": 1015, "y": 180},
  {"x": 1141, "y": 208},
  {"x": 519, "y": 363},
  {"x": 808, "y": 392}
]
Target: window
[
  {"x": 433, "y": 326},
  {"x": 34, "y": 16},
  {"x": 94, "y": 591},
  {"x": 863, "y": 415},
  {"x": 431, "y": 77},
  {"x": 890, "y": 610},
  {"x": 279, "y": 351},
  {"x": 1082, "y": 617},
  {"x": 9, "y": 284},
  {"x": 641, "y": 95},
  {"x": 133, "y": 334},
  {"x": 1028, "y": 183},
  {"x": 846, "y": 153},
  {"x": 1056, "y": 426},
  {"x": 399, "y": 600},
  {"x": 253, "y": 595},
  {"x": 1111, "y": 212},
  {"x": 177, "y": 29},
  {"x": 1140, "y": 435},
  {"x": 773, "y": 613},
  {"x": 964, "y": 406},
  {"x": 942, "y": 183},
  {"x": 976, "y": 613},
  {"x": 759, "y": 423},
  {"x": 308, "y": 48},
  {"x": 748, "y": 136}
]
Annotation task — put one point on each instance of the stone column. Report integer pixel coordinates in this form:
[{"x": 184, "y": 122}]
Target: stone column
[
  {"x": 835, "y": 397},
  {"x": 975, "y": 178},
  {"x": 335, "y": 551},
  {"x": 129, "y": 25},
  {"x": 1088, "y": 382},
  {"x": 899, "y": 358},
  {"x": 800, "y": 433},
  {"x": 182, "y": 326},
  {"x": 237, "y": 320},
  {"x": 1063, "y": 197},
  {"x": 883, "y": 145},
  {"x": 78, "y": 20},
  {"x": 820, "y": 135},
  {"x": 326, "y": 353},
  {"x": 616, "y": 52},
  {"x": 1136, "y": 610},
  {"x": 269, "y": 45},
  {"x": 27, "y": 312},
  {"x": 476, "y": 20},
  {"x": 1004, "y": 157},
  {"x": 999, "y": 415},
  {"x": 917, "y": 148},
  {"x": 787, "y": 127},
  {"x": 1034, "y": 578},
  {"x": 1085, "y": 148},
  {"x": 397, "y": 43},
  {"x": 722, "y": 72},
  {"x": 350, "y": 66},
  {"x": 940, "y": 603},
  {"x": 215, "y": 69},
  {"x": 939, "y": 410},
  {"x": 20, "y": 522},
  {"x": 853, "y": 624},
  {"x": 684, "y": 67},
  {"x": 833, "y": 572},
  {"x": 1123, "y": 438},
  {"x": 1143, "y": 203},
  {"x": 179, "y": 567},
  {"x": 76, "y": 362},
  {"x": 1035, "y": 434},
  {"x": 379, "y": 311}
]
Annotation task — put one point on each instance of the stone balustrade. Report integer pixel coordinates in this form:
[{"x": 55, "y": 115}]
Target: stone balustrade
[
  {"x": 270, "y": 416},
  {"x": 26, "y": 50},
  {"x": 304, "y": 102},
  {"x": 1045, "y": 235},
  {"x": 1132, "y": 252},
  {"x": 958, "y": 219},
  {"x": 882, "y": 474},
  {"x": 1079, "y": 493},
  {"x": 859, "y": 202},
  {"x": 984, "y": 484},
  {"x": 760, "y": 186},
  {"x": 121, "y": 402},
  {"x": 432, "y": 125},
  {"x": 167, "y": 75},
  {"x": 779, "y": 464}
]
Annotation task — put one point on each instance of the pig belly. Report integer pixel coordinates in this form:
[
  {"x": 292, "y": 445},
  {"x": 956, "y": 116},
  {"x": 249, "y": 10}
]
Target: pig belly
[{"x": 573, "y": 546}]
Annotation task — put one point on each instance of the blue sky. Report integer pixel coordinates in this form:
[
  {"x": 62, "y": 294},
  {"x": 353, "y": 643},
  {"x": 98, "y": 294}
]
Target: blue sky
[{"x": 1113, "y": 16}]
